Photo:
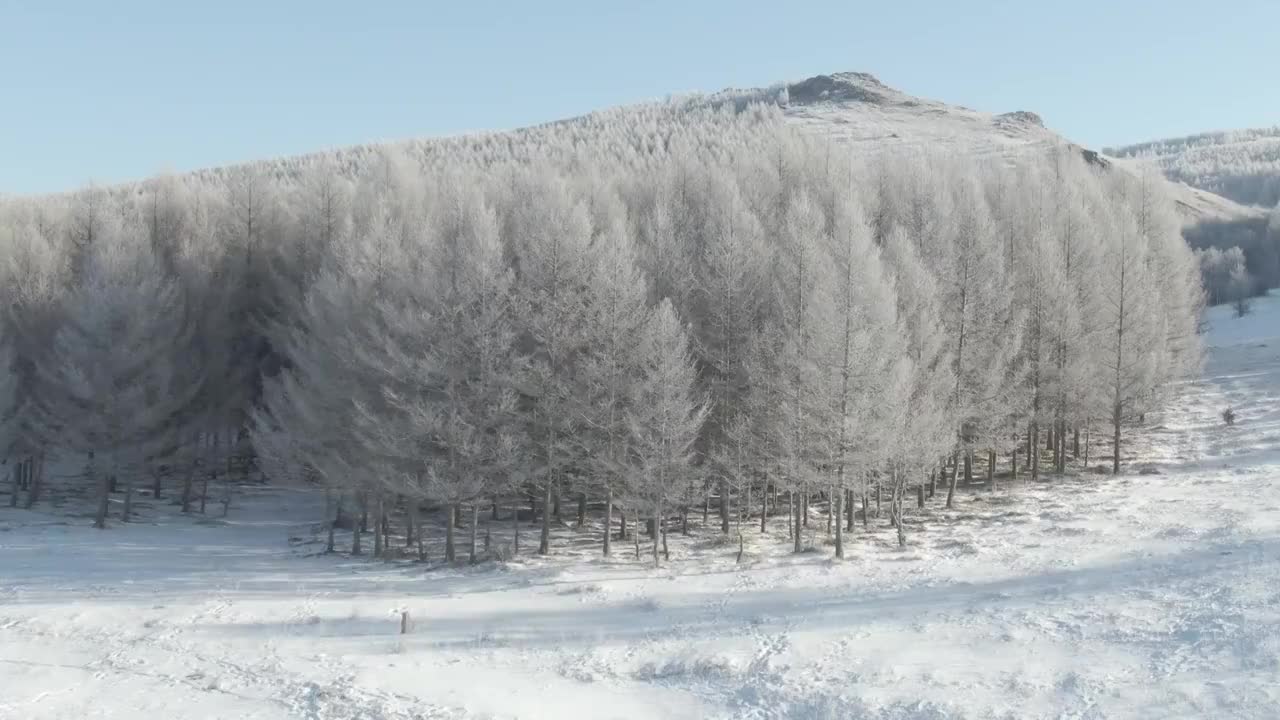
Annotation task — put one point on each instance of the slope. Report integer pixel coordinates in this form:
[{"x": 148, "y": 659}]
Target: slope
[{"x": 1243, "y": 165}]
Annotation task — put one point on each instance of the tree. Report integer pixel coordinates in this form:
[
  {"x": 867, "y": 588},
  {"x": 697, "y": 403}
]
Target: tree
[
  {"x": 550, "y": 234},
  {"x": 664, "y": 416},
  {"x": 113, "y": 361}
]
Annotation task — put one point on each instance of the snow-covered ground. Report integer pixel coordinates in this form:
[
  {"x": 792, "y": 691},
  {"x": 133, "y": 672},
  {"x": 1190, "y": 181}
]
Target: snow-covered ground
[{"x": 1151, "y": 595}]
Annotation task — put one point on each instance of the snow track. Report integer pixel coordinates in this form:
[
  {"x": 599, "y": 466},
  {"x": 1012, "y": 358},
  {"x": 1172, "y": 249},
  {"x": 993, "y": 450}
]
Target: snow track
[{"x": 1145, "y": 596}]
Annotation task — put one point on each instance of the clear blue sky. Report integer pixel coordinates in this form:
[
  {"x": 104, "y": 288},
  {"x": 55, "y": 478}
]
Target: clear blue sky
[{"x": 108, "y": 91}]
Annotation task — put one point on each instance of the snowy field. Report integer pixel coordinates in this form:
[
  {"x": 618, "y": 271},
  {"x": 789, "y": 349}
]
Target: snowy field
[{"x": 1151, "y": 595}]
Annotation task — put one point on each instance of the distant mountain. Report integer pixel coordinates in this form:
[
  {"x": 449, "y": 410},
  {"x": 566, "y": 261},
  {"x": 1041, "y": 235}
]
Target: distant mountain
[{"x": 1243, "y": 165}]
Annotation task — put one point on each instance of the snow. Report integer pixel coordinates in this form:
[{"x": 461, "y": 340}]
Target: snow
[{"x": 1149, "y": 595}]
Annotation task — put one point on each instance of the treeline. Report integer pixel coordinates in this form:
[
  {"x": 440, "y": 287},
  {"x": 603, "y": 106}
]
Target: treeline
[
  {"x": 647, "y": 313},
  {"x": 1240, "y": 259}
]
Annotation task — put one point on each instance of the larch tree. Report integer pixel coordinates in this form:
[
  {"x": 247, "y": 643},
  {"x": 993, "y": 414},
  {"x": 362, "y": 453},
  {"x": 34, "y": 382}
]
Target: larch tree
[{"x": 664, "y": 417}]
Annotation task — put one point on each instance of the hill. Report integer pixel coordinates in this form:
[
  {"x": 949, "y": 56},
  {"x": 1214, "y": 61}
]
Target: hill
[
  {"x": 851, "y": 108},
  {"x": 1243, "y": 165}
]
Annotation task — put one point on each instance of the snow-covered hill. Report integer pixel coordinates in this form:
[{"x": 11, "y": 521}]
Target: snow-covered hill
[
  {"x": 857, "y": 109},
  {"x": 1152, "y": 595},
  {"x": 852, "y": 108},
  {"x": 1243, "y": 165}
]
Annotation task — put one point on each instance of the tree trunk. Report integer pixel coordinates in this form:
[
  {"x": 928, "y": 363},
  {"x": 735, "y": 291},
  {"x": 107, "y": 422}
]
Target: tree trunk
[
  {"x": 450, "y": 549},
  {"x": 582, "y": 510},
  {"x": 378, "y": 539},
  {"x": 878, "y": 492},
  {"x": 951, "y": 488},
  {"x": 865, "y": 521},
  {"x": 104, "y": 497},
  {"x": 662, "y": 528},
  {"x": 991, "y": 470},
  {"x": 724, "y": 506},
  {"x": 515, "y": 527},
  {"x": 804, "y": 508},
  {"x": 127, "y": 512},
  {"x": 495, "y": 517},
  {"x": 900, "y": 502},
  {"x": 204, "y": 492},
  {"x": 1086, "y": 449},
  {"x": 764, "y": 509},
  {"x": 333, "y": 521},
  {"x": 799, "y": 508},
  {"x": 1013, "y": 463},
  {"x": 544, "y": 540},
  {"x": 706, "y": 507},
  {"x": 838, "y": 497},
  {"x": 608, "y": 518},
  {"x": 849, "y": 510},
  {"x": 15, "y": 475},
  {"x": 37, "y": 482},
  {"x": 1115, "y": 461},
  {"x": 155, "y": 483},
  {"x": 475, "y": 525},
  {"x": 968, "y": 467},
  {"x": 555, "y": 503},
  {"x": 622, "y": 524},
  {"x": 357, "y": 528},
  {"x": 410, "y": 523},
  {"x": 1075, "y": 444},
  {"x": 1033, "y": 451},
  {"x": 684, "y": 522},
  {"x": 920, "y": 496}
]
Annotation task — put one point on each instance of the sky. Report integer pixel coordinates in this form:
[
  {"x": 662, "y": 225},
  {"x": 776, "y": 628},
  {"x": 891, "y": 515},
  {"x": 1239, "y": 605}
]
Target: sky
[{"x": 111, "y": 91}]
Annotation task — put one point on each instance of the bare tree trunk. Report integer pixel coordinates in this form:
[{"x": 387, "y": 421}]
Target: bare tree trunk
[
  {"x": 804, "y": 512},
  {"x": 878, "y": 493},
  {"x": 1115, "y": 461},
  {"x": 450, "y": 548},
  {"x": 104, "y": 496},
  {"x": 968, "y": 467},
  {"x": 333, "y": 521},
  {"x": 838, "y": 497},
  {"x": 1086, "y": 448},
  {"x": 357, "y": 527},
  {"x": 920, "y": 496},
  {"x": 555, "y": 503},
  {"x": 475, "y": 524},
  {"x": 495, "y": 517},
  {"x": 127, "y": 513},
  {"x": 764, "y": 507},
  {"x": 37, "y": 482},
  {"x": 684, "y": 522},
  {"x": 515, "y": 527},
  {"x": 951, "y": 488},
  {"x": 865, "y": 521},
  {"x": 1033, "y": 451},
  {"x": 1013, "y": 463},
  {"x": 662, "y": 528},
  {"x": 378, "y": 540},
  {"x": 798, "y": 505},
  {"x": 15, "y": 475},
  {"x": 900, "y": 501},
  {"x": 724, "y": 506},
  {"x": 849, "y": 510},
  {"x": 1075, "y": 444},
  {"x": 582, "y": 510},
  {"x": 608, "y": 518},
  {"x": 991, "y": 470},
  {"x": 410, "y": 523},
  {"x": 544, "y": 541}
]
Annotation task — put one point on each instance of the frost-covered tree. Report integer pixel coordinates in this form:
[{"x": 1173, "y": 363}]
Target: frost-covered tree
[
  {"x": 664, "y": 416},
  {"x": 113, "y": 360}
]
